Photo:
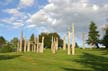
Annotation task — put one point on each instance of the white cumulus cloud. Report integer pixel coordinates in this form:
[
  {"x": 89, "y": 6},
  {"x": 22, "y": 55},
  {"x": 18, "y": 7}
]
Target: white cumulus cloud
[
  {"x": 58, "y": 14},
  {"x": 26, "y": 3},
  {"x": 12, "y": 11}
]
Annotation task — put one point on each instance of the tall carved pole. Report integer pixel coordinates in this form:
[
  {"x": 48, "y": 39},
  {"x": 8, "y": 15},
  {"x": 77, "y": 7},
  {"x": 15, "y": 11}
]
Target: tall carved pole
[
  {"x": 28, "y": 48},
  {"x": 56, "y": 43},
  {"x": 21, "y": 41},
  {"x": 64, "y": 43},
  {"x": 73, "y": 42},
  {"x": 83, "y": 40},
  {"x": 34, "y": 44},
  {"x": 68, "y": 41},
  {"x": 25, "y": 45},
  {"x": 42, "y": 45},
  {"x": 52, "y": 44},
  {"x": 37, "y": 47}
]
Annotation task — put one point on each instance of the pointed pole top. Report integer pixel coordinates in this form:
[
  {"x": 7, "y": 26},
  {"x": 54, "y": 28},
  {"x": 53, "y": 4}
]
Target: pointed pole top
[{"x": 72, "y": 27}]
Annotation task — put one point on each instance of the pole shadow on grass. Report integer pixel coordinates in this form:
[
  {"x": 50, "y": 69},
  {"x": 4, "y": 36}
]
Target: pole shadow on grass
[
  {"x": 7, "y": 57},
  {"x": 94, "y": 62},
  {"x": 104, "y": 51}
]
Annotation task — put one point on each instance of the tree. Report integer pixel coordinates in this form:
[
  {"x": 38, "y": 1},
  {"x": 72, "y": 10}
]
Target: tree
[
  {"x": 32, "y": 37},
  {"x": 76, "y": 45},
  {"x": 2, "y": 41},
  {"x": 7, "y": 47},
  {"x": 14, "y": 42},
  {"x": 48, "y": 39},
  {"x": 104, "y": 40},
  {"x": 93, "y": 35}
]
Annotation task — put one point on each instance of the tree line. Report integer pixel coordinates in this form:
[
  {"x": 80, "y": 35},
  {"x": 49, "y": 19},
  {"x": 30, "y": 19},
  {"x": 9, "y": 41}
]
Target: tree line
[{"x": 93, "y": 39}]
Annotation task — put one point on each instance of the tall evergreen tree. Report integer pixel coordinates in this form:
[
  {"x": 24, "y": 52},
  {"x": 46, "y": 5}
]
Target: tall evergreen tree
[
  {"x": 76, "y": 45},
  {"x": 93, "y": 35},
  {"x": 104, "y": 40}
]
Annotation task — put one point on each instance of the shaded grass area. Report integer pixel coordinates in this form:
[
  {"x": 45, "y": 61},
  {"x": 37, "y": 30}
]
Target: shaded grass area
[
  {"x": 84, "y": 60},
  {"x": 6, "y": 57}
]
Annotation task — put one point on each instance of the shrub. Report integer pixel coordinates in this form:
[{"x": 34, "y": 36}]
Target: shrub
[{"x": 6, "y": 48}]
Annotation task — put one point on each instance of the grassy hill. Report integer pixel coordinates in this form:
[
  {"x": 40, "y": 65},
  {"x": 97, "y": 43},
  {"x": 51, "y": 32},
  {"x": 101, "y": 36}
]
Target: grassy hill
[{"x": 84, "y": 60}]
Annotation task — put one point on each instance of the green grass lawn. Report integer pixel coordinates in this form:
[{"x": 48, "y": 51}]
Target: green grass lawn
[{"x": 84, "y": 60}]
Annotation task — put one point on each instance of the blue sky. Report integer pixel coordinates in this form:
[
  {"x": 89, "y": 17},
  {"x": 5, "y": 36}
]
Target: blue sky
[
  {"x": 6, "y": 28},
  {"x": 36, "y": 16}
]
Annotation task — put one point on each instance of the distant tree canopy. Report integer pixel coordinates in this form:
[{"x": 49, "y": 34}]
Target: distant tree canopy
[
  {"x": 104, "y": 40},
  {"x": 7, "y": 47},
  {"x": 76, "y": 45},
  {"x": 93, "y": 35},
  {"x": 32, "y": 37},
  {"x": 2, "y": 41},
  {"x": 14, "y": 42},
  {"x": 48, "y": 38}
]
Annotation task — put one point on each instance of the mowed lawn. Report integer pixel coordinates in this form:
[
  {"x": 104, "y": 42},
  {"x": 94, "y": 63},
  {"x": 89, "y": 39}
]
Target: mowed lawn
[{"x": 83, "y": 60}]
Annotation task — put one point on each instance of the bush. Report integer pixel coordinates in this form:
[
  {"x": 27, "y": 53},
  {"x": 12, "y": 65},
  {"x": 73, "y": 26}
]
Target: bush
[{"x": 6, "y": 48}]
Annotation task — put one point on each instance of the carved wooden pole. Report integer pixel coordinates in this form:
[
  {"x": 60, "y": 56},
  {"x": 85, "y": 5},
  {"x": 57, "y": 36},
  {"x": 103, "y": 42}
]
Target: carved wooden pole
[
  {"x": 21, "y": 41},
  {"x": 73, "y": 42},
  {"x": 34, "y": 44},
  {"x": 56, "y": 43},
  {"x": 52, "y": 44},
  {"x": 25, "y": 44},
  {"x": 64, "y": 43},
  {"x": 42, "y": 45},
  {"x": 37, "y": 47},
  {"x": 28, "y": 48},
  {"x": 68, "y": 41}
]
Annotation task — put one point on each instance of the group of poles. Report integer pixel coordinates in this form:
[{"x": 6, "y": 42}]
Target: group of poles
[
  {"x": 36, "y": 46},
  {"x": 28, "y": 46}
]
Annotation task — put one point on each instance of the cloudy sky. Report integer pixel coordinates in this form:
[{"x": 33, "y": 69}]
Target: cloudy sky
[{"x": 36, "y": 16}]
